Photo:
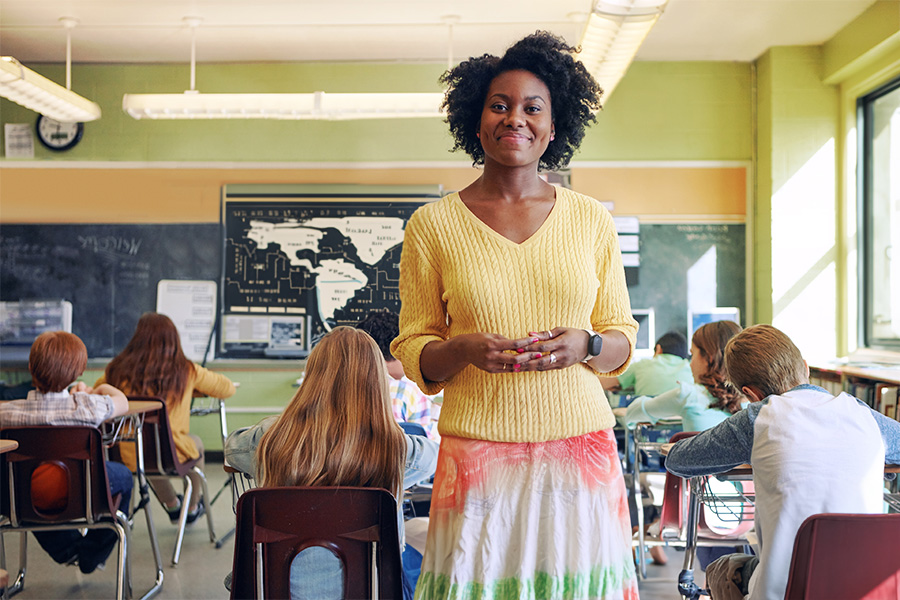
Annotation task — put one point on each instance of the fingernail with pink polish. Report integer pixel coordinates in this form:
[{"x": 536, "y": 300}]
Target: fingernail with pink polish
[
  {"x": 516, "y": 368},
  {"x": 535, "y": 340},
  {"x": 537, "y": 354}
]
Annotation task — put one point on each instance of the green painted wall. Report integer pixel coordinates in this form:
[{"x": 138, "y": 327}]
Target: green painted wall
[{"x": 660, "y": 111}]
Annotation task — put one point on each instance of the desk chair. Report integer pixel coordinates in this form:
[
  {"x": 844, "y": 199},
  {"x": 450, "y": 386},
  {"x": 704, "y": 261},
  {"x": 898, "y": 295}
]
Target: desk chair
[
  {"x": 161, "y": 458},
  {"x": 358, "y": 524},
  {"x": 79, "y": 452},
  {"x": 646, "y": 440},
  {"x": 846, "y": 556}
]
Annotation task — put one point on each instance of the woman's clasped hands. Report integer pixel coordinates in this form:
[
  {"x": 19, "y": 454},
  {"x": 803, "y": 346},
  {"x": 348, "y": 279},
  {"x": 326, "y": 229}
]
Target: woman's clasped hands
[{"x": 541, "y": 351}]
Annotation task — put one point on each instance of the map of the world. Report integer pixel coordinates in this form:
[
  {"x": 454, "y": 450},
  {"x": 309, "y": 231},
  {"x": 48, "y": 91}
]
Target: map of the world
[{"x": 331, "y": 262}]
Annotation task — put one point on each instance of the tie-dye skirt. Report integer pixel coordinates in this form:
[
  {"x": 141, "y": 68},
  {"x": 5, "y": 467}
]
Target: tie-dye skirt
[{"x": 528, "y": 521}]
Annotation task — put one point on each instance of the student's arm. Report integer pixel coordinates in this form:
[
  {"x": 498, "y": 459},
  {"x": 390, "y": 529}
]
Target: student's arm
[
  {"x": 421, "y": 459},
  {"x": 715, "y": 450},
  {"x": 890, "y": 433},
  {"x": 241, "y": 445},
  {"x": 211, "y": 383},
  {"x": 650, "y": 409},
  {"x": 119, "y": 400}
]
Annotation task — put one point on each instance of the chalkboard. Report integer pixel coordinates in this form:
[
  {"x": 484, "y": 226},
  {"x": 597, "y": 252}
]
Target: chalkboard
[
  {"x": 108, "y": 272},
  {"x": 667, "y": 253}
]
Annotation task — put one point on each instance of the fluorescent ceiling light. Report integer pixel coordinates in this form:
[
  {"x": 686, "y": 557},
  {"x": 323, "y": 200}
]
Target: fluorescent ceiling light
[
  {"x": 314, "y": 106},
  {"x": 35, "y": 92},
  {"x": 614, "y": 32}
]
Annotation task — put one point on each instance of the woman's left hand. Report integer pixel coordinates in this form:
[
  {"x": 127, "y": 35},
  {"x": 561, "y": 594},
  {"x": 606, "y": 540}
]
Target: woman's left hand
[{"x": 559, "y": 348}]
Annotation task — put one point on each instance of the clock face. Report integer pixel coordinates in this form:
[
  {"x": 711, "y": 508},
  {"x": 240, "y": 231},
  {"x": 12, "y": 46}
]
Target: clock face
[{"x": 58, "y": 136}]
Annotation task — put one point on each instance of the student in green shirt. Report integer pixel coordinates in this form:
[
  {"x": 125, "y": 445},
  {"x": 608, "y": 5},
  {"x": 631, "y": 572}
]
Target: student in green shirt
[{"x": 656, "y": 375}]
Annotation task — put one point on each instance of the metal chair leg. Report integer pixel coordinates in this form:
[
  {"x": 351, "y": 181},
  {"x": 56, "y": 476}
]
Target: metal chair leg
[{"x": 182, "y": 520}]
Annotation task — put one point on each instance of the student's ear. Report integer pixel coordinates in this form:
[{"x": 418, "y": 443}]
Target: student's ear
[
  {"x": 752, "y": 392},
  {"x": 806, "y": 368},
  {"x": 657, "y": 350}
]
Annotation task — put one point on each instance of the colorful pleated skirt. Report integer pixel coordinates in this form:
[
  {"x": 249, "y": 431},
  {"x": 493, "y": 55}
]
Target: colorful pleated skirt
[{"x": 529, "y": 521}]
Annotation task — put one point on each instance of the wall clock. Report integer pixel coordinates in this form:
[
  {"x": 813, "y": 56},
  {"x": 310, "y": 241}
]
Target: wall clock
[{"x": 58, "y": 136}]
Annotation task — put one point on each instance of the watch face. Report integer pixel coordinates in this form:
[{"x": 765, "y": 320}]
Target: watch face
[
  {"x": 595, "y": 345},
  {"x": 58, "y": 136}
]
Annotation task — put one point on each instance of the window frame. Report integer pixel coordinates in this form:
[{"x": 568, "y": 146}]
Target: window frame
[{"x": 865, "y": 191}]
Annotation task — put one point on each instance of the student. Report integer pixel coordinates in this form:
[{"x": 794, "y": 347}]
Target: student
[
  {"x": 408, "y": 402},
  {"x": 659, "y": 374},
  {"x": 338, "y": 430},
  {"x": 707, "y": 398},
  {"x": 153, "y": 364},
  {"x": 56, "y": 359},
  {"x": 811, "y": 452},
  {"x": 702, "y": 398}
]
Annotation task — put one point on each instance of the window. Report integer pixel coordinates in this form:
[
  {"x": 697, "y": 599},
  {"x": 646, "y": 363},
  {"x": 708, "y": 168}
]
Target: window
[{"x": 879, "y": 179}]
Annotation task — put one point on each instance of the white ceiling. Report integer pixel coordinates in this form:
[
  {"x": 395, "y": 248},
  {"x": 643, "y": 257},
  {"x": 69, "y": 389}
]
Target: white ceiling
[{"x": 132, "y": 31}]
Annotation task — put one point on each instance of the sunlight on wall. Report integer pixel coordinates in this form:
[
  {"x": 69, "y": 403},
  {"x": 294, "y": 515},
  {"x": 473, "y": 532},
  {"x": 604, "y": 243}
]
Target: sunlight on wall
[
  {"x": 702, "y": 287},
  {"x": 804, "y": 255}
]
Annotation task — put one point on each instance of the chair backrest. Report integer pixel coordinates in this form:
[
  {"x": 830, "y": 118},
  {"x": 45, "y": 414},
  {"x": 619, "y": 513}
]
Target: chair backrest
[
  {"x": 412, "y": 428},
  {"x": 674, "y": 506},
  {"x": 846, "y": 556},
  {"x": 160, "y": 455},
  {"x": 275, "y": 524},
  {"x": 78, "y": 452}
]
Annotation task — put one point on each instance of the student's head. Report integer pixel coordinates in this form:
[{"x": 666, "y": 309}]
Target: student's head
[
  {"x": 383, "y": 326},
  {"x": 338, "y": 428},
  {"x": 574, "y": 95},
  {"x": 672, "y": 343},
  {"x": 761, "y": 360},
  {"x": 707, "y": 363},
  {"x": 57, "y": 359},
  {"x": 153, "y": 363}
]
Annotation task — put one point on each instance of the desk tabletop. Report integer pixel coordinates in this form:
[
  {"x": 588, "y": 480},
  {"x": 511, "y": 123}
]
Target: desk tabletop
[
  {"x": 137, "y": 407},
  {"x": 7, "y": 445}
]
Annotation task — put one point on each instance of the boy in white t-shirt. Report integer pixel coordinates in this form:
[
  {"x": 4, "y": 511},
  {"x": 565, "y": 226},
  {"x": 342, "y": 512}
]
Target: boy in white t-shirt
[{"x": 811, "y": 452}]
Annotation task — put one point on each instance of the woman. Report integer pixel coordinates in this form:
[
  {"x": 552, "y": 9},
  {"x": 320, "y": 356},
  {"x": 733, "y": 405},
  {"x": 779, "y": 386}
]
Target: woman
[
  {"x": 153, "y": 364},
  {"x": 338, "y": 430},
  {"x": 705, "y": 402},
  {"x": 514, "y": 303}
]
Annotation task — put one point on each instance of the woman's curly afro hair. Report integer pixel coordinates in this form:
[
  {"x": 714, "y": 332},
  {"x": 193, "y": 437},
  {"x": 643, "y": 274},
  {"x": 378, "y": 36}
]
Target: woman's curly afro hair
[{"x": 574, "y": 94}]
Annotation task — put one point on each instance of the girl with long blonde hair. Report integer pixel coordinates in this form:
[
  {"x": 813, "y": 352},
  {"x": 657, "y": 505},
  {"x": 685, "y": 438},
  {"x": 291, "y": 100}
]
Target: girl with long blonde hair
[{"x": 338, "y": 430}]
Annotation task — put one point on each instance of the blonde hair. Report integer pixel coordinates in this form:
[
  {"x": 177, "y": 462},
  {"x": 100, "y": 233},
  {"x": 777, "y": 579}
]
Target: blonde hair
[
  {"x": 764, "y": 357},
  {"x": 338, "y": 429}
]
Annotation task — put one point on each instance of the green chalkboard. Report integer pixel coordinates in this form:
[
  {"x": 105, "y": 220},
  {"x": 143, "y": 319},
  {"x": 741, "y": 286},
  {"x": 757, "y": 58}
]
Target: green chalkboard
[
  {"x": 108, "y": 272},
  {"x": 713, "y": 256}
]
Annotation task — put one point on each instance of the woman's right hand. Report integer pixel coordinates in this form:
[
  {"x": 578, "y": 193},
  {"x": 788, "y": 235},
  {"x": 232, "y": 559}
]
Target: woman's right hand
[{"x": 489, "y": 352}]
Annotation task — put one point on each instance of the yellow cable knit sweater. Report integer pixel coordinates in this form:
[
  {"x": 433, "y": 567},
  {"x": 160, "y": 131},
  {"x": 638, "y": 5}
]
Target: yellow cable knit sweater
[{"x": 459, "y": 276}]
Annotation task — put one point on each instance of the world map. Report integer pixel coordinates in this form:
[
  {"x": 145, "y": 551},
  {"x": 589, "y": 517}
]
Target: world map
[{"x": 331, "y": 261}]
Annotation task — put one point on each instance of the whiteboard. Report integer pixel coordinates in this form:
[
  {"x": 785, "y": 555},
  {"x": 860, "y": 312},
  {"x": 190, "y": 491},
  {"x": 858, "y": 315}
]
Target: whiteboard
[{"x": 191, "y": 304}]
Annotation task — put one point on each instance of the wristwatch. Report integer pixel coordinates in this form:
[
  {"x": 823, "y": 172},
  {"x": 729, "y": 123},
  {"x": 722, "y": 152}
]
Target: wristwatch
[{"x": 595, "y": 345}]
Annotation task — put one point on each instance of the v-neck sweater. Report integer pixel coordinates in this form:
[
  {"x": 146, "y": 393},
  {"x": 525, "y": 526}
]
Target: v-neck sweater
[{"x": 459, "y": 276}]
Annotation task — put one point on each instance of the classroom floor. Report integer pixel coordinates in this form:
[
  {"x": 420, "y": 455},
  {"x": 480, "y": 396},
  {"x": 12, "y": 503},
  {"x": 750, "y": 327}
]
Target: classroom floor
[{"x": 202, "y": 567}]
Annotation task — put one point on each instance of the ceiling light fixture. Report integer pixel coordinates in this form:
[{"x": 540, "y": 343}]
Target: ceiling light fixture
[
  {"x": 614, "y": 32},
  {"x": 35, "y": 92},
  {"x": 312, "y": 106}
]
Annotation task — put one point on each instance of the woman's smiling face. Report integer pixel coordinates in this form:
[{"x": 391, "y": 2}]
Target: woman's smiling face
[{"x": 516, "y": 122}]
